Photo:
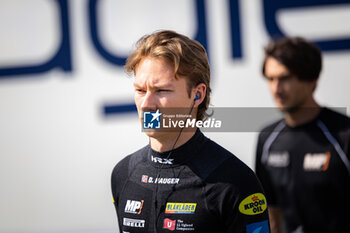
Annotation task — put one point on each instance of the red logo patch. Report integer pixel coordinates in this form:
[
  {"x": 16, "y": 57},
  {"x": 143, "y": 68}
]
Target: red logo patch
[{"x": 169, "y": 224}]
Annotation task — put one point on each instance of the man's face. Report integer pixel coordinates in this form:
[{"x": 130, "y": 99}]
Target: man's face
[
  {"x": 156, "y": 87},
  {"x": 288, "y": 91}
]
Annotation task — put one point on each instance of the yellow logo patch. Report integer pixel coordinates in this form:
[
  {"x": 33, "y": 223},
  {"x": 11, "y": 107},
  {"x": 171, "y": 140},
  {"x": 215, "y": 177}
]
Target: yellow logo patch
[
  {"x": 180, "y": 208},
  {"x": 253, "y": 204}
]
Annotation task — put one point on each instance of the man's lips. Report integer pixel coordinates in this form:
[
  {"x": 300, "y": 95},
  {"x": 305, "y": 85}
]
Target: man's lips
[{"x": 280, "y": 100}]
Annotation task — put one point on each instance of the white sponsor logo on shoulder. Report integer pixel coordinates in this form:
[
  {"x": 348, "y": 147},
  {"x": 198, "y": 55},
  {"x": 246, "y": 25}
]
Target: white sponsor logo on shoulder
[
  {"x": 280, "y": 159},
  {"x": 316, "y": 162},
  {"x": 133, "y": 222}
]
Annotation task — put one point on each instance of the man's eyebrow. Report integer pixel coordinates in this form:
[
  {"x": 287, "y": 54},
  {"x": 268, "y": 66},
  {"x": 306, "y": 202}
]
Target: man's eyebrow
[
  {"x": 155, "y": 86},
  {"x": 167, "y": 85},
  {"x": 137, "y": 85},
  {"x": 286, "y": 75}
]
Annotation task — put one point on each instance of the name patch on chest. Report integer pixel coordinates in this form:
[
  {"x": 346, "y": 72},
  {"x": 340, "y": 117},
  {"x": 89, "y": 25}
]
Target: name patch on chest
[{"x": 161, "y": 180}]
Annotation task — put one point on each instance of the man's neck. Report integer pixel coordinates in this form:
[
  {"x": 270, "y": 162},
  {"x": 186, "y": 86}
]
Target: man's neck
[
  {"x": 168, "y": 143},
  {"x": 303, "y": 115}
]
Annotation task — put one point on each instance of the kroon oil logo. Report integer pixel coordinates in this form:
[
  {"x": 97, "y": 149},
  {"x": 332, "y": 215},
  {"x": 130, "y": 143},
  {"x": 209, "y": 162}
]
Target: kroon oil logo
[{"x": 253, "y": 204}]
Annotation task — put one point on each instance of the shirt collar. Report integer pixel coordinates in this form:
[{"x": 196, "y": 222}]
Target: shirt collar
[{"x": 178, "y": 155}]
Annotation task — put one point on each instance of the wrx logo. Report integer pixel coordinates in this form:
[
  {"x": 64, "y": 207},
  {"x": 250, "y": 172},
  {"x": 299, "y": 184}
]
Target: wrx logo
[{"x": 161, "y": 160}]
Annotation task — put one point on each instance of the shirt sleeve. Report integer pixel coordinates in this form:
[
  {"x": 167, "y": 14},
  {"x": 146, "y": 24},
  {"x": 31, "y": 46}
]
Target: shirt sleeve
[
  {"x": 118, "y": 179},
  {"x": 240, "y": 200},
  {"x": 262, "y": 173}
]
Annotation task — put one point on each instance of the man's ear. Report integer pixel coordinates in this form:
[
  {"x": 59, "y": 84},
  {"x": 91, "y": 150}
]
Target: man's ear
[
  {"x": 314, "y": 85},
  {"x": 199, "y": 93}
]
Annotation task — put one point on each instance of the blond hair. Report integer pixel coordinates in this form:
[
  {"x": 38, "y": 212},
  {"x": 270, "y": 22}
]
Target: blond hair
[{"x": 188, "y": 56}]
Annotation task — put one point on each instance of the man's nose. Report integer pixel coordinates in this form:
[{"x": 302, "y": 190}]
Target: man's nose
[
  {"x": 149, "y": 102},
  {"x": 276, "y": 87}
]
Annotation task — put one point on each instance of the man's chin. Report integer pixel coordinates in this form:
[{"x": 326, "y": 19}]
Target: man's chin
[
  {"x": 155, "y": 133},
  {"x": 151, "y": 132},
  {"x": 160, "y": 133},
  {"x": 288, "y": 109}
]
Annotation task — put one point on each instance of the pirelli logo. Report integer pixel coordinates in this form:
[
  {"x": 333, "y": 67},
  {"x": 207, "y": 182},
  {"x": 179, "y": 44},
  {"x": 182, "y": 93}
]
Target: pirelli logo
[{"x": 180, "y": 208}]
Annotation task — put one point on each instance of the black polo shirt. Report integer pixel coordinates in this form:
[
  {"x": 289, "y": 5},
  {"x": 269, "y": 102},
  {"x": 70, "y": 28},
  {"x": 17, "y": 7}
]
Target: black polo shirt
[
  {"x": 200, "y": 187},
  {"x": 305, "y": 171}
]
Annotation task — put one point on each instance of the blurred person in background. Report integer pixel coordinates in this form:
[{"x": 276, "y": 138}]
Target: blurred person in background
[
  {"x": 303, "y": 159},
  {"x": 181, "y": 181}
]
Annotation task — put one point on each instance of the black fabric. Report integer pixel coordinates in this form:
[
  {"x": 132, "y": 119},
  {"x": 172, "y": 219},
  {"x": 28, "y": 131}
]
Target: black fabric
[
  {"x": 305, "y": 176},
  {"x": 199, "y": 172}
]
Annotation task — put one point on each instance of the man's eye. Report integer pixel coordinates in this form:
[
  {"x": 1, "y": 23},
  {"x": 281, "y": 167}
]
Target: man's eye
[
  {"x": 163, "y": 90},
  {"x": 285, "y": 77},
  {"x": 140, "y": 90}
]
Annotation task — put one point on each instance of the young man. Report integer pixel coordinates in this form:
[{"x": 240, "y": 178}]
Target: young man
[
  {"x": 181, "y": 181},
  {"x": 303, "y": 159}
]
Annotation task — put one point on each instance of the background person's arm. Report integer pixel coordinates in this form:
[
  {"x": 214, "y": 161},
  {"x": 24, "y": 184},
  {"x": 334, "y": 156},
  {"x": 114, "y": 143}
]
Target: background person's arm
[{"x": 276, "y": 219}]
